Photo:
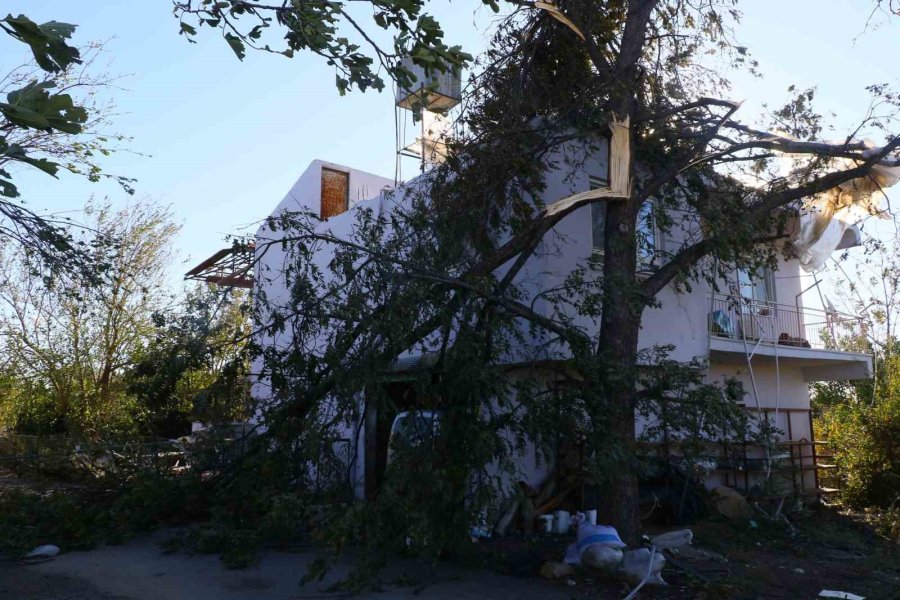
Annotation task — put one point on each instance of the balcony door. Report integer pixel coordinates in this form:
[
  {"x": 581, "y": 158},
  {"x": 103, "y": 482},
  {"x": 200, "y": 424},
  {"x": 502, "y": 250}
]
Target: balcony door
[{"x": 757, "y": 293}]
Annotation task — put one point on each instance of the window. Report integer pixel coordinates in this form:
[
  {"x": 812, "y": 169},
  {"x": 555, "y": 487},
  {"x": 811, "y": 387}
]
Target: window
[
  {"x": 757, "y": 291},
  {"x": 646, "y": 236},
  {"x": 335, "y": 192}
]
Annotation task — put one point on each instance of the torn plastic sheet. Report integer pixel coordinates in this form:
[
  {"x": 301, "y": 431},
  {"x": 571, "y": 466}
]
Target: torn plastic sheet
[{"x": 826, "y": 217}]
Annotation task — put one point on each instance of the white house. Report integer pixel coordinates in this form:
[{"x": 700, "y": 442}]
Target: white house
[{"x": 763, "y": 332}]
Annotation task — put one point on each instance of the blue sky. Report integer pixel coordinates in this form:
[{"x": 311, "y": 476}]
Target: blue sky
[{"x": 224, "y": 140}]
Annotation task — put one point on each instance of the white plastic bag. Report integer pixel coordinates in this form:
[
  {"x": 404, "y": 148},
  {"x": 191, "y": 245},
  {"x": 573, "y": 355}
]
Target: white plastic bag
[
  {"x": 673, "y": 539},
  {"x": 589, "y": 535},
  {"x": 598, "y": 534},
  {"x": 841, "y": 595},
  {"x": 635, "y": 564},
  {"x": 602, "y": 558},
  {"x": 42, "y": 553}
]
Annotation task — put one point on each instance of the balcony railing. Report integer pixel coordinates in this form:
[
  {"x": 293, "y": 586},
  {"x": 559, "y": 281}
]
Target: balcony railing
[{"x": 741, "y": 318}]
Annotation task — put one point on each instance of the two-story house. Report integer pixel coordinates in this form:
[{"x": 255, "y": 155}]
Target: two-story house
[{"x": 760, "y": 331}]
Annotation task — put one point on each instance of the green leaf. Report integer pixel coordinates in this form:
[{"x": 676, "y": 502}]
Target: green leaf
[
  {"x": 236, "y": 45},
  {"x": 256, "y": 32},
  {"x": 48, "y": 167},
  {"x": 16, "y": 152},
  {"x": 47, "y": 41},
  {"x": 24, "y": 117},
  {"x": 187, "y": 29},
  {"x": 341, "y": 84},
  {"x": 34, "y": 107},
  {"x": 62, "y": 31},
  {"x": 6, "y": 187}
]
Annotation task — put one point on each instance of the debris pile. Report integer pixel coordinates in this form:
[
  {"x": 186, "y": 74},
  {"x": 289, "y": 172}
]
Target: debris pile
[
  {"x": 729, "y": 503},
  {"x": 531, "y": 504}
]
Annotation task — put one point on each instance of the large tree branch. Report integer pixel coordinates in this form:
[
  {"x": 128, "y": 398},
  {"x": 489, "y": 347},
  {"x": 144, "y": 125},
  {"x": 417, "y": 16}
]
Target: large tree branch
[
  {"x": 551, "y": 215},
  {"x": 689, "y": 256},
  {"x": 543, "y": 222},
  {"x": 825, "y": 182},
  {"x": 699, "y": 103},
  {"x": 633, "y": 35},
  {"x": 770, "y": 141},
  {"x": 572, "y": 335},
  {"x": 656, "y": 183}
]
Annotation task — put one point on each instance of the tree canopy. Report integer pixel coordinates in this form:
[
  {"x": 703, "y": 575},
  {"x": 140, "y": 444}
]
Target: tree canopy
[
  {"x": 554, "y": 74},
  {"x": 46, "y": 124}
]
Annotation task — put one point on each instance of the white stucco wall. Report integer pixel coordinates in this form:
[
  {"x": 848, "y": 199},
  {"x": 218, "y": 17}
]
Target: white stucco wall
[
  {"x": 365, "y": 190},
  {"x": 681, "y": 320},
  {"x": 306, "y": 192}
]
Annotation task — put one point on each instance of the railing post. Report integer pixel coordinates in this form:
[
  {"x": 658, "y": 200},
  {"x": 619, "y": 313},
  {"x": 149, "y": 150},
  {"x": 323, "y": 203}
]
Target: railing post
[{"x": 815, "y": 458}]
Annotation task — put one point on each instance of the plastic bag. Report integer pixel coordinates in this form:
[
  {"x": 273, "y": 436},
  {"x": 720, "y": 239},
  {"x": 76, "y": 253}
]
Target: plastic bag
[
  {"x": 673, "y": 539},
  {"x": 635, "y": 564},
  {"x": 602, "y": 558},
  {"x": 589, "y": 535}
]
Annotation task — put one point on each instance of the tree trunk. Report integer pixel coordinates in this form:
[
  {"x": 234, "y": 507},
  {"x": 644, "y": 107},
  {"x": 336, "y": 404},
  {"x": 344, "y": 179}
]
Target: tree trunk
[{"x": 617, "y": 347}]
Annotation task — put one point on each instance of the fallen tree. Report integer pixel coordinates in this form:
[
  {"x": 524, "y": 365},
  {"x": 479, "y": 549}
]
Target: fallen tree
[{"x": 554, "y": 75}]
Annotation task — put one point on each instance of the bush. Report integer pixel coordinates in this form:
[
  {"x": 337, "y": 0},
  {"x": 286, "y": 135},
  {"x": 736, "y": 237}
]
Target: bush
[
  {"x": 28, "y": 520},
  {"x": 82, "y": 518},
  {"x": 28, "y": 407},
  {"x": 863, "y": 428},
  {"x": 150, "y": 500},
  {"x": 865, "y": 440},
  {"x": 285, "y": 521}
]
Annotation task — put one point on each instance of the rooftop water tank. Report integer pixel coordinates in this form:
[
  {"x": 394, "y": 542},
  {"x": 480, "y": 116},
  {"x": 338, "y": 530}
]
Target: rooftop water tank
[{"x": 436, "y": 92}]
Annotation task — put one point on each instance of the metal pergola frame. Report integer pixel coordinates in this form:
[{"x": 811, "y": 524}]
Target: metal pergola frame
[{"x": 229, "y": 267}]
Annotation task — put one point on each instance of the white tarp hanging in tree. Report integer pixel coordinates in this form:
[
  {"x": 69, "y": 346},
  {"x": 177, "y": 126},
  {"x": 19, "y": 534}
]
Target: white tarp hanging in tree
[{"x": 826, "y": 216}]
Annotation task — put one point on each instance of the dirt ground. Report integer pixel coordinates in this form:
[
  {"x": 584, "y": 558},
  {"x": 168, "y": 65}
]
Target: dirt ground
[
  {"x": 140, "y": 570},
  {"x": 21, "y": 583},
  {"x": 824, "y": 548},
  {"x": 829, "y": 550}
]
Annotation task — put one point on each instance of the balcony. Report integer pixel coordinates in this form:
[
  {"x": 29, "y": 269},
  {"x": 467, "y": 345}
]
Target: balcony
[{"x": 826, "y": 345}]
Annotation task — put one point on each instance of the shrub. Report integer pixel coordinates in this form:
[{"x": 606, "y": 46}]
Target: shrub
[
  {"x": 28, "y": 520},
  {"x": 285, "y": 521},
  {"x": 864, "y": 434},
  {"x": 82, "y": 518}
]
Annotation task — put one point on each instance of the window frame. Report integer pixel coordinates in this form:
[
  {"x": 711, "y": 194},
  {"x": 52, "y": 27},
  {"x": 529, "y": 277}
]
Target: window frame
[
  {"x": 595, "y": 182},
  {"x": 746, "y": 281},
  {"x": 653, "y": 263},
  {"x": 346, "y": 176}
]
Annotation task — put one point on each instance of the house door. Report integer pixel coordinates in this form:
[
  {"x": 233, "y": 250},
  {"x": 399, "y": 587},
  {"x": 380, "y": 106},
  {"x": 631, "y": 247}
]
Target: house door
[{"x": 398, "y": 396}]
